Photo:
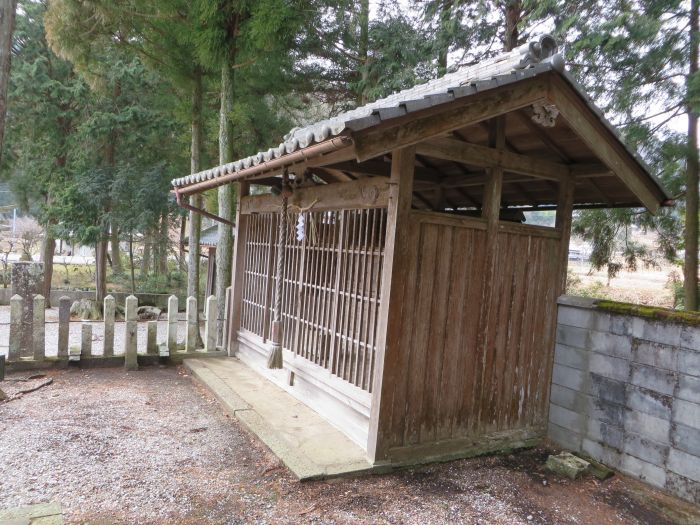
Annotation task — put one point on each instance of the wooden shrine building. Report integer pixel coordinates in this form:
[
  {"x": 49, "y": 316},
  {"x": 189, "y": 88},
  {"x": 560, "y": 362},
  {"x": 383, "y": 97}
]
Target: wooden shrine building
[{"x": 417, "y": 311}]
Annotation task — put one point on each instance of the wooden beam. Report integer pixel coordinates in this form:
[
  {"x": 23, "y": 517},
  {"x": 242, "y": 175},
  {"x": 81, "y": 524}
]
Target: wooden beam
[
  {"x": 484, "y": 157},
  {"x": 397, "y": 256},
  {"x": 544, "y": 137},
  {"x": 604, "y": 144},
  {"x": 462, "y": 112},
  {"x": 363, "y": 193},
  {"x": 237, "y": 269}
]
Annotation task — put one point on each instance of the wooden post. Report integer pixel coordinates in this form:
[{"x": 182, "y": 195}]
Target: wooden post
[
  {"x": 491, "y": 211},
  {"x": 565, "y": 207},
  {"x": 39, "y": 320},
  {"x": 108, "y": 311},
  {"x": 192, "y": 325},
  {"x": 237, "y": 270},
  {"x": 85, "y": 340},
  {"x": 15, "y": 328},
  {"x": 63, "y": 325},
  {"x": 130, "y": 341},
  {"x": 172, "y": 325},
  {"x": 227, "y": 316},
  {"x": 396, "y": 259},
  {"x": 210, "y": 326}
]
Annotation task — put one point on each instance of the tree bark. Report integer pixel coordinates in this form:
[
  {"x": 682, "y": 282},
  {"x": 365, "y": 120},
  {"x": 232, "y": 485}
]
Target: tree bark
[
  {"x": 690, "y": 269},
  {"x": 444, "y": 37},
  {"x": 100, "y": 272},
  {"x": 146, "y": 256},
  {"x": 224, "y": 248},
  {"x": 195, "y": 219},
  {"x": 47, "y": 250},
  {"x": 514, "y": 9},
  {"x": 8, "y": 9},
  {"x": 131, "y": 262},
  {"x": 163, "y": 243},
  {"x": 363, "y": 50},
  {"x": 117, "y": 266}
]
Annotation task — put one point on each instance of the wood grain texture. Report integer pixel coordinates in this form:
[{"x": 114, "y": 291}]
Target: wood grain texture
[{"x": 474, "y": 364}]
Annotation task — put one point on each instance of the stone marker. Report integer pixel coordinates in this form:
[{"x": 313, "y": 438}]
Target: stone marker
[
  {"x": 172, "y": 324},
  {"x": 38, "y": 338},
  {"x": 85, "y": 340},
  {"x": 15, "y": 328},
  {"x": 566, "y": 464},
  {"x": 192, "y": 328},
  {"x": 27, "y": 281},
  {"x": 130, "y": 348},
  {"x": 152, "y": 337},
  {"x": 63, "y": 325},
  {"x": 108, "y": 314},
  {"x": 210, "y": 326}
]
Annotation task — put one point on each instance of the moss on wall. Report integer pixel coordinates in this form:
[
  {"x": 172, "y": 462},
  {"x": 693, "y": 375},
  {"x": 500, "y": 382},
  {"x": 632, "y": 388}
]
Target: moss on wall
[{"x": 650, "y": 312}]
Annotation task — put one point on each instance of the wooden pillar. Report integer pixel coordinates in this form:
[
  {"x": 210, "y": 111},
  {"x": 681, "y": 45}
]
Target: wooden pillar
[
  {"x": 237, "y": 269},
  {"x": 565, "y": 208},
  {"x": 491, "y": 211},
  {"x": 396, "y": 259}
]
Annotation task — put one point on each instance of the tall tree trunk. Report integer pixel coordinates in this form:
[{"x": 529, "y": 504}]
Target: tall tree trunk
[
  {"x": 690, "y": 269},
  {"x": 181, "y": 244},
  {"x": 47, "y": 250},
  {"x": 146, "y": 256},
  {"x": 100, "y": 272},
  {"x": 163, "y": 244},
  {"x": 131, "y": 262},
  {"x": 224, "y": 248},
  {"x": 363, "y": 52},
  {"x": 195, "y": 219},
  {"x": 444, "y": 37},
  {"x": 514, "y": 10},
  {"x": 8, "y": 9},
  {"x": 117, "y": 267}
]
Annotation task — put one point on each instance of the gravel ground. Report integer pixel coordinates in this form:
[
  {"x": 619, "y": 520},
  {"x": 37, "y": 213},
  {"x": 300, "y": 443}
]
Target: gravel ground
[
  {"x": 153, "y": 447},
  {"x": 51, "y": 332}
]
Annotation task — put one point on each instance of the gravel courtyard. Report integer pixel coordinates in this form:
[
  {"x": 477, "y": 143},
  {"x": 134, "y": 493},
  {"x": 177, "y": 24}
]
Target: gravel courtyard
[{"x": 153, "y": 447}]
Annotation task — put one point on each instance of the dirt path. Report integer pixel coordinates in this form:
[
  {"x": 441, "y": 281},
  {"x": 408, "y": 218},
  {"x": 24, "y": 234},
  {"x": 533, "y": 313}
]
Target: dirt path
[{"x": 152, "y": 447}]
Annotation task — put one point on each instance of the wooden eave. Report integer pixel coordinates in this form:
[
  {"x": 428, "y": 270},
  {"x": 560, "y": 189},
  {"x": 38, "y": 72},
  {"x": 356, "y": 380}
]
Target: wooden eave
[{"x": 453, "y": 156}]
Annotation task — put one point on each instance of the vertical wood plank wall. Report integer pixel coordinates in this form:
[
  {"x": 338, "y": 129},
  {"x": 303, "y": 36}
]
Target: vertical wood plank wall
[{"x": 475, "y": 363}]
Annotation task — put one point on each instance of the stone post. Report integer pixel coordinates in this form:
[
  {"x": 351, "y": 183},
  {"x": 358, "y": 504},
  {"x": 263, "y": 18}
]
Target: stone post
[
  {"x": 192, "y": 326},
  {"x": 85, "y": 340},
  {"x": 63, "y": 325},
  {"x": 152, "y": 337},
  {"x": 172, "y": 324},
  {"x": 108, "y": 314},
  {"x": 210, "y": 326},
  {"x": 39, "y": 321},
  {"x": 2, "y": 369},
  {"x": 27, "y": 280},
  {"x": 15, "y": 328},
  {"x": 130, "y": 348}
]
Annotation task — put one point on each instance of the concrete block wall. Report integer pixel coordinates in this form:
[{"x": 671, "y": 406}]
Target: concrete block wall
[{"x": 626, "y": 390}]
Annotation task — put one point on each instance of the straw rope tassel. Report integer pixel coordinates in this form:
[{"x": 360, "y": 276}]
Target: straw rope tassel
[{"x": 275, "y": 358}]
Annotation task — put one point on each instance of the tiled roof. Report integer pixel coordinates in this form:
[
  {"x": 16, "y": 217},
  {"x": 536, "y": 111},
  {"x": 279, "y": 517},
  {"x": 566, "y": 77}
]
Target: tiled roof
[{"x": 527, "y": 60}]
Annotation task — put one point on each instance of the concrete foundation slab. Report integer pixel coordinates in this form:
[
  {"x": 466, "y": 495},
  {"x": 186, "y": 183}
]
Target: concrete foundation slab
[{"x": 307, "y": 444}]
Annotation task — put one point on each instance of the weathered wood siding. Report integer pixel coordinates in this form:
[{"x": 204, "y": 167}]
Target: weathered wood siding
[{"x": 474, "y": 352}]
